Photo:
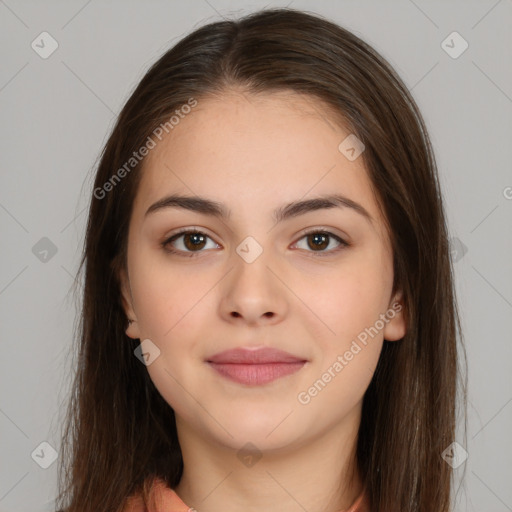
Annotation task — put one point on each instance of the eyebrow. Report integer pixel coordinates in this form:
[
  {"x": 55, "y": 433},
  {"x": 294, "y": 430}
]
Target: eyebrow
[{"x": 207, "y": 206}]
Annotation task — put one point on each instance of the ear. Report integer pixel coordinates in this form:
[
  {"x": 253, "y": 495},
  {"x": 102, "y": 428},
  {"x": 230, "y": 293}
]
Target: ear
[
  {"x": 396, "y": 327},
  {"x": 132, "y": 329}
]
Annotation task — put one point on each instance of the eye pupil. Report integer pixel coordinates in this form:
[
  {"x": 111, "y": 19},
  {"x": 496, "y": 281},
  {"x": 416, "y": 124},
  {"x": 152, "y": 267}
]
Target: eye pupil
[
  {"x": 196, "y": 240},
  {"x": 319, "y": 237}
]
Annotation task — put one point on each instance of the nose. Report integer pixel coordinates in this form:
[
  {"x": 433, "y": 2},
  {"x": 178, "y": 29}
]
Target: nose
[{"x": 253, "y": 293}]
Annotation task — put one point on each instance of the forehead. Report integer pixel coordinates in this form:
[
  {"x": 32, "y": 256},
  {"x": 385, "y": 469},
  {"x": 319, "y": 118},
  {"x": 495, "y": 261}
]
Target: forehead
[
  {"x": 266, "y": 126},
  {"x": 245, "y": 149}
]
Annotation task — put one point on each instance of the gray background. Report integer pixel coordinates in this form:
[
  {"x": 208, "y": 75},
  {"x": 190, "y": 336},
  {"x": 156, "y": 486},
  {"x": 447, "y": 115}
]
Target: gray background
[{"x": 56, "y": 115}]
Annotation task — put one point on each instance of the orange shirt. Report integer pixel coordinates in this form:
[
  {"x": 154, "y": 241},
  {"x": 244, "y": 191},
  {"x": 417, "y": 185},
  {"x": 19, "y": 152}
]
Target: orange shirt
[{"x": 164, "y": 499}]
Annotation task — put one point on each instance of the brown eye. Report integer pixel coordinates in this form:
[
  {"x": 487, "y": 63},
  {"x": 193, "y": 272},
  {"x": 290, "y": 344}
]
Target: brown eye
[
  {"x": 318, "y": 241},
  {"x": 192, "y": 242}
]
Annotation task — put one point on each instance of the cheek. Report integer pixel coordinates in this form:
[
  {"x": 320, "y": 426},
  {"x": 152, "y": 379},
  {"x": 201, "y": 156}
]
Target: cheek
[
  {"x": 164, "y": 296},
  {"x": 347, "y": 303},
  {"x": 348, "y": 297},
  {"x": 348, "y": 341},
  {"x": 168, "y": 306}
]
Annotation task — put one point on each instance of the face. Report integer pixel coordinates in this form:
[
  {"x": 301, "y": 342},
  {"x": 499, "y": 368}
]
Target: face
[{"x": 314, "y": 282}]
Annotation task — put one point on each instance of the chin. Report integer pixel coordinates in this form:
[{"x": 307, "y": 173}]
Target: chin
[{"x": 265, "y": 431}]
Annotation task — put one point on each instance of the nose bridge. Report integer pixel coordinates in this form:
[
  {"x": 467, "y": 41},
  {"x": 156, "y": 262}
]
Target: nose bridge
[
  {"x": 252, "y": 259},
  {"x": 252, "y": 290}
]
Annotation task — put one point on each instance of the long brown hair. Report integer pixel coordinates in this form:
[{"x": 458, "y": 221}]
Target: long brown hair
[{"x": 119, "y": 431}]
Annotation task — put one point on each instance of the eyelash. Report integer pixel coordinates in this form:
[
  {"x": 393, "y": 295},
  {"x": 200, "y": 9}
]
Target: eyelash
[{"x": 191, "y": 254}]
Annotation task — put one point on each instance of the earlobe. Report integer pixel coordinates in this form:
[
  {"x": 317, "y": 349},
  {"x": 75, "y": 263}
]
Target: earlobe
[
  {"x": 396, "y": 327},
  {"x": 132, "y": 329}
]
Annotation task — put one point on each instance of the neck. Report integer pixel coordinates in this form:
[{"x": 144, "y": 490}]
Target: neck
[{"x": 319, "y": 475}]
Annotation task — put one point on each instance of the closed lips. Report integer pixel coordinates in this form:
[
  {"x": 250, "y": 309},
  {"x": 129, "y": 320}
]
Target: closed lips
[
  {"x": 255, "y": 367},
  {"x": 259, "y": 356}
]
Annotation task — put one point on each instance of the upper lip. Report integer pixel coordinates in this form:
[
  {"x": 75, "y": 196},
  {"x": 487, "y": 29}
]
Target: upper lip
[{"x": 254, "y": 356}]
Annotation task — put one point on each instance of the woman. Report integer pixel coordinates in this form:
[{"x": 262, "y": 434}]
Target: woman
[{"x": 269, "y": 318}]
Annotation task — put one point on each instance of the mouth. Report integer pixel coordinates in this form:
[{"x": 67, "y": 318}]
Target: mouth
[{"x": 255, "y": 367}]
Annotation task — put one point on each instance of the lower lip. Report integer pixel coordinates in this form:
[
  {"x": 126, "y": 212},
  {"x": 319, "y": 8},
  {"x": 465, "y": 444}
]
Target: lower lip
[{"x": 256, "y": 374}]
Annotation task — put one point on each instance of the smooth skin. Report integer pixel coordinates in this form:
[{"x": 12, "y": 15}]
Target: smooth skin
[{"x": 253, "y": 154}]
